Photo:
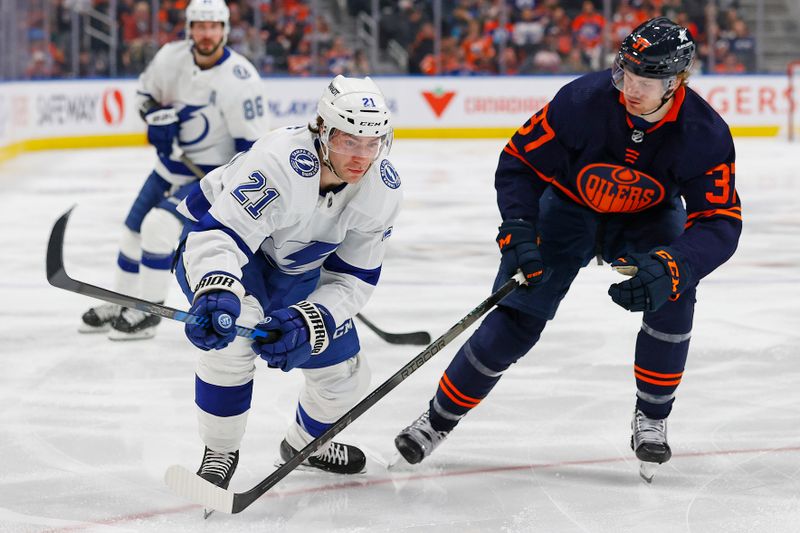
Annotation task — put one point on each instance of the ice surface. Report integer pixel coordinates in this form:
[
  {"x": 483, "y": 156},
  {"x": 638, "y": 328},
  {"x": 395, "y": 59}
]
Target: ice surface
[{"x": 88, "y": 427}]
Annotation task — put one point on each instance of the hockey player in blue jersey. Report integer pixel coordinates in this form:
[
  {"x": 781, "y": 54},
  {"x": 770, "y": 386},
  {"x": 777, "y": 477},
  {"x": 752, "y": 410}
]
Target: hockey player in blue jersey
[
  {"x": 198, "y": 98},
  {"x": 290, "y": 236},
  {"x": 604, "y": 169}
]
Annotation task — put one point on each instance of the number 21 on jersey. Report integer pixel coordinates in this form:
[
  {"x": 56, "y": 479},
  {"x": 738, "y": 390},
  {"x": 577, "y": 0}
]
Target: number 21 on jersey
[{"x": 255, "y": 196}]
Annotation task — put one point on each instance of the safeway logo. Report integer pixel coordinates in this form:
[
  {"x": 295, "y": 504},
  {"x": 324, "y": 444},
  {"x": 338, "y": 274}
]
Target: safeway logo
[
  {"x": 438, "y": 100},
  {"x": 113, "y": 106}
]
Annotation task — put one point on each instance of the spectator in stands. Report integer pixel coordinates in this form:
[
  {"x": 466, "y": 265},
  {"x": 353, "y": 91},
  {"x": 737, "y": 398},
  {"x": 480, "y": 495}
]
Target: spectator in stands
[
  {"x": 743, "y": 45},
  {"x": 574, "y": 63},
  {"x": 420, "y": 48},
  {"x": 529, "y": 30},
  {"x": 360, "y": 65},
  {"x": 339, "y": 58},
  {"x": 623, "y": 22},
  {"x": 729, "y": 64},
  {"x": 560, "y": 29},
  {"x": 588, "y": 30}
]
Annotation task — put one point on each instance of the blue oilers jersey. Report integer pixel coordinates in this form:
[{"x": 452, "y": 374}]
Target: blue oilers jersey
[
  {"x": 221, "y": 110},
  {"x": 586, "y": 147}
]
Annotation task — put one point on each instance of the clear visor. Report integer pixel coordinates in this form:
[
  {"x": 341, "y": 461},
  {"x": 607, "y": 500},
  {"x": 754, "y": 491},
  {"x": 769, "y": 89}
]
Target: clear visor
[
  {"x": 622, "y": 78},
  {"x": 352, "y": 145}
]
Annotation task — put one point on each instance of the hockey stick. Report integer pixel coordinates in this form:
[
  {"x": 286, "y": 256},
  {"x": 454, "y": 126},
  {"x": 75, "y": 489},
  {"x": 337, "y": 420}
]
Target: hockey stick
[
  {"x": 58, "y": 277},
  {"x": 188, "y": 485},
  {"x": 420, "y": 338}
]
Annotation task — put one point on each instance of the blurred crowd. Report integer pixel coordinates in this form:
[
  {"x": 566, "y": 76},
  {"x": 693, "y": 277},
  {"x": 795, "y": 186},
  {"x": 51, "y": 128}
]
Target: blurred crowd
[
  {"x": 479, "y": 37},
  {"x": 553, "y": 36}
]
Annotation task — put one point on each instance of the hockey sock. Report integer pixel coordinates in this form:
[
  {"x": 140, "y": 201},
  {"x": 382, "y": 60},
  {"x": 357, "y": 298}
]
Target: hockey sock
[
  {"x": 501, "y": 339},
  {"x": 658, "y": 368},
  {"x": 155, "y": 276}
]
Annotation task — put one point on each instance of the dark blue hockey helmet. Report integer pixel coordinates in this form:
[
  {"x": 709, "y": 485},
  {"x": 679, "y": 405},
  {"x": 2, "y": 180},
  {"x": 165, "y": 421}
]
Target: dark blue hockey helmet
[{"x": 658, "y": 48}]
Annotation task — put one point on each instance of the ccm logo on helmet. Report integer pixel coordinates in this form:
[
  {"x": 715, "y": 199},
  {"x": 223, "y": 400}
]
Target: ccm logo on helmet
[{"x": 370, "y": 123}]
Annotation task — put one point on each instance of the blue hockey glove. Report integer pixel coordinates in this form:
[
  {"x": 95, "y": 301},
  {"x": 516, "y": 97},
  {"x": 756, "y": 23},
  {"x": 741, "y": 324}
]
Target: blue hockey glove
[
  {"x": 218, "y": 299},
  {"x": 656, "y": 277},
  {"x": 518, "y": 244},
  {"x": 162, "y": 128},
  {"x": 305, "y": 330}
]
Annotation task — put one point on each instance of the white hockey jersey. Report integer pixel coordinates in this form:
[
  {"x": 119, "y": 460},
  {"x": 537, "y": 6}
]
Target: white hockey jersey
[
  {"x": 222, "y": 110},
  {"x": 267, "y": 200}
]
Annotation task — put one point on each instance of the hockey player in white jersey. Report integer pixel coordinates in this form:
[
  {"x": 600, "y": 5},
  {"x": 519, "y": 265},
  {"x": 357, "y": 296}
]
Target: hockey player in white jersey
[
  {"x": 198, "y": 98},
  {"x": 290, "y": 236}
]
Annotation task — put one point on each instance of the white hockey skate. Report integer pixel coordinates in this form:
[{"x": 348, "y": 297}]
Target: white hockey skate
[
  {"x": 336, "y": 458},
  {"x": 217, "y": 468},
  {"x": 649, "y": 441},
  {"x": 132, "y": 325},
  {"x": 98, "y": 319},
  {"x": 417, "y": 441}
]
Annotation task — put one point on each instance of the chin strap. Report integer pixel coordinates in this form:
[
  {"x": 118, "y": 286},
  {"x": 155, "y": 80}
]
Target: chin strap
[{"x": 664, "y": 99}]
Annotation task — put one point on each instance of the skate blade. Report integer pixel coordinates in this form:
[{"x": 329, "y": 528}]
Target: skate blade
[
  {"x": 647, "y": 471},
  {"x": 91, "y": 329},
  {"x": 115, "y": 335},
  {"x": 396, "y": 462},
  {"x": 305, "y": 467}
]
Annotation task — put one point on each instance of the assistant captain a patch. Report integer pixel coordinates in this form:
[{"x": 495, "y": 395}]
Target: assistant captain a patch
[
  {"x": 304, "y": 162},
  {"x": 389, "y": 175}
]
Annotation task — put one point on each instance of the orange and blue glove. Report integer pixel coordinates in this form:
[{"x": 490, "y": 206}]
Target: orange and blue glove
[
  {"x": 657, "y": 276},
  {"x": 519, "y": 247}
]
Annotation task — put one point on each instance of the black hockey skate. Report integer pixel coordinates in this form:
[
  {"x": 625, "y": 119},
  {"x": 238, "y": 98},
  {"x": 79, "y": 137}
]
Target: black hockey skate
[
  {"x": 217, "y": 468},
  {"x": 98, "y": 319},
  {"x": 337, "y": 458},
  {"x": 417, "y": 441},
  {"x": 132, "y": 324},
  {"x": 649, "y": 441}
]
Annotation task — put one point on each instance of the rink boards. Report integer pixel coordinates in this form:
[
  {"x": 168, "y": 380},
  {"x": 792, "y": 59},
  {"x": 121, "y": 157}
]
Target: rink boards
[{"x": 99, "y": 113}]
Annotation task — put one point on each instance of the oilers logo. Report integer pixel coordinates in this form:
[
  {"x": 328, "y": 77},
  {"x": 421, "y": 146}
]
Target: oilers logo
[
  {"x": 304, "y": 162},
  {"x": 608, "y": 188},
  {"x": 389, "y": 175}
]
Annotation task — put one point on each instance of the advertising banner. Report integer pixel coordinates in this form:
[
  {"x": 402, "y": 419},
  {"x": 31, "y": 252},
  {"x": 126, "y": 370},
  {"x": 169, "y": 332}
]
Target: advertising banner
[{"x": 63, "y": 114}]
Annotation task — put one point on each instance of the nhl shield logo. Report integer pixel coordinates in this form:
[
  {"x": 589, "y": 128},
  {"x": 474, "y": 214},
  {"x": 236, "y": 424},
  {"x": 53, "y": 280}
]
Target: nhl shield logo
[
  {"x": 389, "y": 175},
  {"x": 304, "y": 162}
]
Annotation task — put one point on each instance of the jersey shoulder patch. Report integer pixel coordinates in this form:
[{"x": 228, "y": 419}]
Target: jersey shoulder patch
[
  {"x": 389, "y": 175},
  {"x": 304, "y": 162}
]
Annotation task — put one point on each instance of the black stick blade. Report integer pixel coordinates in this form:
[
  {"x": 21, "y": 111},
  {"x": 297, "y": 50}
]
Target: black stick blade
[{"x": 55, "y": 258}]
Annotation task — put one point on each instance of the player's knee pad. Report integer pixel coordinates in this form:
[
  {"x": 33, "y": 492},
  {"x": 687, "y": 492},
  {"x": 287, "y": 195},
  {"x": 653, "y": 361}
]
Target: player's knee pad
[
  {"x": 130, "y": 244},
  {"x": 234, "y": 364},
  {"x": 504, "y": 336},
  {"x": 331, "y": 391},
  {"x": 160, "y": 231}
]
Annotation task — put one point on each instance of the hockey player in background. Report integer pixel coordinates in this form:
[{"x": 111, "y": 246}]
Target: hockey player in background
[
  {"x": 198, "y": 98},
  {"x": 604, "y": 169},
  {"x": 290, "y": 237}
]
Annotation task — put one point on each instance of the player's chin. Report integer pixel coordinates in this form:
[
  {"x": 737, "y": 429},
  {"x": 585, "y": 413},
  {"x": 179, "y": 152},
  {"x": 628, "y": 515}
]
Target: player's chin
[{"x": 353, "y": 175}]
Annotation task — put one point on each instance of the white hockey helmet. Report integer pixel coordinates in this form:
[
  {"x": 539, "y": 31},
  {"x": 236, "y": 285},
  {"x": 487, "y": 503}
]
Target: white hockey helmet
[
  {"x": 355, "y": 106},
  {"x": 208, "y": 10}
]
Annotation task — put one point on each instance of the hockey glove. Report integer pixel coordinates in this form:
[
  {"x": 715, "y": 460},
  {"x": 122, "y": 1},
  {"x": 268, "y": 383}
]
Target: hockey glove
[
  {"x": 305, "y": 331},
  {"x": 656, "y": 277},
  {"x": 217, "y": 299},
  {"x": 518, "y": 244},
  {"x": 162, "y": 128}
]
